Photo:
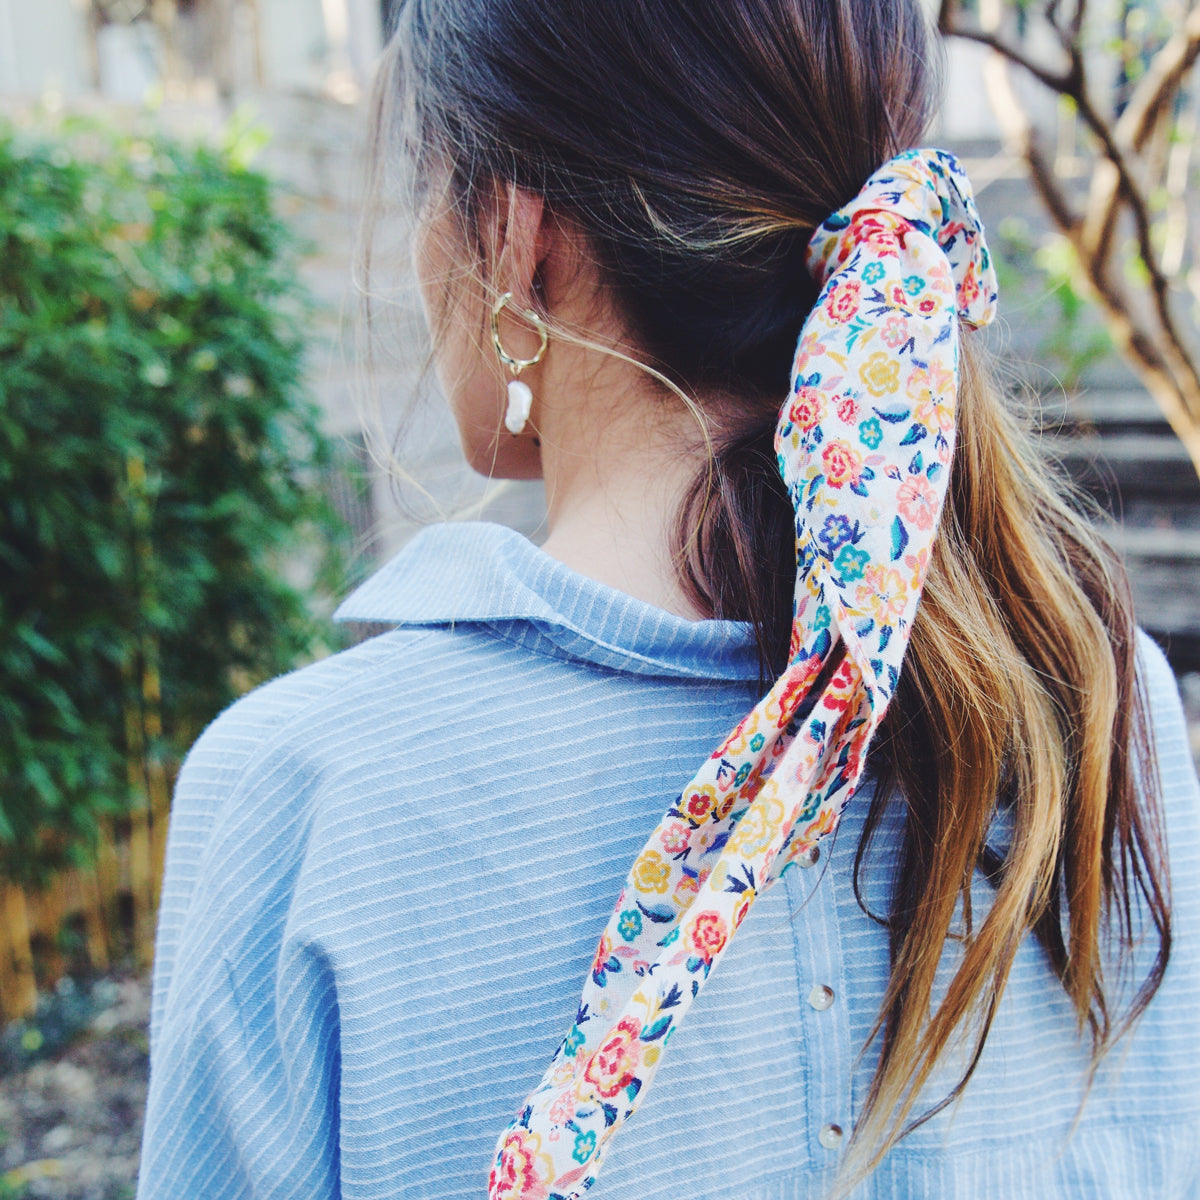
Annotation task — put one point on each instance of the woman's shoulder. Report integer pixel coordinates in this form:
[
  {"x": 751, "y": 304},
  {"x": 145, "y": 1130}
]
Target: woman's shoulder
[
  {"x": 1172, "y": 743},
  {"x": 295, "y": 711}
]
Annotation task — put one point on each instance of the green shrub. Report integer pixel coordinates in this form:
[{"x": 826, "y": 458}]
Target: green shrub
[{"x": 158, "y": 467}]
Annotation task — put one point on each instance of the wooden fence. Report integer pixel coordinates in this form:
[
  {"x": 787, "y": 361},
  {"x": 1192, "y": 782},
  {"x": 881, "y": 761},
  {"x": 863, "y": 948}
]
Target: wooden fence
[
  {"x": 108, "y": 909},
  {"x": 102, "y": 910}
]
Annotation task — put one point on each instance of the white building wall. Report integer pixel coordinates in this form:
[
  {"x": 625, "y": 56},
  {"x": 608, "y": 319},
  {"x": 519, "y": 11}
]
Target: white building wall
[{"x": 42, "y": 47}]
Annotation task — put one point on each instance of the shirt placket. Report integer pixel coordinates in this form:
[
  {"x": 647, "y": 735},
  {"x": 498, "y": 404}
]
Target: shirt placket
[{"x": 821, "y": 984}]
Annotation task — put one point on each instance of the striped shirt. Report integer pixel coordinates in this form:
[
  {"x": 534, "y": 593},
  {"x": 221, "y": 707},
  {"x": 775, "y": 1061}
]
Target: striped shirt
[{"x": 387, "y": 873}]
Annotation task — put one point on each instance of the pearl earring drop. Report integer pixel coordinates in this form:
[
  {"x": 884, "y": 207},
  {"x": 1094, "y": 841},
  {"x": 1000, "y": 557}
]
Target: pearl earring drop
[
  {"x": 520, "y": 395},
  {"x": 520, "y": 402}
]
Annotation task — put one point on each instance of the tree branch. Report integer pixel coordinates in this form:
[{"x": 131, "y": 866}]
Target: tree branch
[
  {"x": 1102, "y": 212},
  {"x": 1177, "y": 354},
  {"x": 1155, "y": 90},
  {"x": 1056, "y": 81},
  {"x": 1021, "y": 139},
  {"x": 1151, "y": 100}
]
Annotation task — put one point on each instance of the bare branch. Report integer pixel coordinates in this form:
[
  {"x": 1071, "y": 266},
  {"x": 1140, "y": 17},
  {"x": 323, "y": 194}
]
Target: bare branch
[
  {"x": 1178, "y": 357},
  {"x": 1167, "y": 370},
  {"x": 1067, "y": 37},
  {"x": 1154, "y": 92},
  {"x": 1076, "y": 26},
  {"x": 1019, "y": 135},
  {"x": 1151, "y": 101},
  {"x": 1100, "y": 218},
  {"x": 950, "y": 26}
]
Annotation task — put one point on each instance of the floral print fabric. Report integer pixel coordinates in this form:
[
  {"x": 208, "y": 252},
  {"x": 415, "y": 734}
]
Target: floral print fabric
[{"x": 864, "y": 444}]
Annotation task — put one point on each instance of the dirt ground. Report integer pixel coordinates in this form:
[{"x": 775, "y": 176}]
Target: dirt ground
[{"x": 71, "y": 1124}]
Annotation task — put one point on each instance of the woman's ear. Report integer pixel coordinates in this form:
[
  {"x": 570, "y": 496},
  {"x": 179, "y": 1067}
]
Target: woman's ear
[{"x": 520, "y": 242}]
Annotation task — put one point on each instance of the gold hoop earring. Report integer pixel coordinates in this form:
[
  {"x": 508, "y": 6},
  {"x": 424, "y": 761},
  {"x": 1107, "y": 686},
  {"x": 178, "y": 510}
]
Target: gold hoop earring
[{"x": 520, "y": 395}]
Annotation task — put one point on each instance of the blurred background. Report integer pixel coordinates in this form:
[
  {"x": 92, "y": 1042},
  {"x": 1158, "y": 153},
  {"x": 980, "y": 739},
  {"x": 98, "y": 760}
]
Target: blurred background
[{"x": 197, "y": 458}]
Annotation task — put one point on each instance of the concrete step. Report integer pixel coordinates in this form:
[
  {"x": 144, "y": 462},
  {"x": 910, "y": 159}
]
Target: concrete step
[{"x": 1124, "y": 465}]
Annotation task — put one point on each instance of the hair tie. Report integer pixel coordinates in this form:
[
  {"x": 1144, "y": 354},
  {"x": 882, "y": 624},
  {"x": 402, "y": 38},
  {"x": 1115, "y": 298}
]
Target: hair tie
[{"x": 864, "y": 442}]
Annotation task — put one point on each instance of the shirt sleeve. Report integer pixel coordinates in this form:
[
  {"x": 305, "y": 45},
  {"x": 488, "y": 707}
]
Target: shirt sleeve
[{"x": 243, "y": 1097}]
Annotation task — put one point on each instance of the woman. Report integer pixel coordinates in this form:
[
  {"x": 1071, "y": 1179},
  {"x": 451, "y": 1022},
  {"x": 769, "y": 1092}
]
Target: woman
[{"x": 387, "y": 872}]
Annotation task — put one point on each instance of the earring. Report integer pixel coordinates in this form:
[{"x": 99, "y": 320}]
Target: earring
[{"x": 520, "y": 396}]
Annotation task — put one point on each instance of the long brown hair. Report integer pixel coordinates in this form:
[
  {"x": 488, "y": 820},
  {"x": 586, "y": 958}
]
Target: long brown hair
[{"x": 697, "y": 146}]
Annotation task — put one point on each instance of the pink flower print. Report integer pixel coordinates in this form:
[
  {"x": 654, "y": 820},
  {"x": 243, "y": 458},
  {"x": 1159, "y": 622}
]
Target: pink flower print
[
  {"x": 917, "y": 501},
  {"x": 703, "y": 839},
  {"x": 708, "y": 935},
  {"x": 927, "y": 305},
  {"x": 808, "y": 345},
  {"x": 614, "y": 1064},
  {"x": 883, "y": 594},
  {"x": 842, "y": 302},
  {"x": 674, "y": 837},
  {"x": 686, "y": 890},
  {"x": 847, "y": 410},
  {"x": 521, "y": 1171},
  {"x": 918, "y": 564},
  {"x": 937, "y": 277},
  {"x": 807, "y": 409},
  {"x": 882, "y": 231},
  {"x": 895, "y": 331},
  {"x": 563, "y": 1109},
  {"x": 842, "y": 463}
]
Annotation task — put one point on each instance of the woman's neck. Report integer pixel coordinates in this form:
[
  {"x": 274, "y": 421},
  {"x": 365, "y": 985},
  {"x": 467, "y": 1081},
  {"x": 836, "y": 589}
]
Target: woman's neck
[{"x": 618, "y": 457}]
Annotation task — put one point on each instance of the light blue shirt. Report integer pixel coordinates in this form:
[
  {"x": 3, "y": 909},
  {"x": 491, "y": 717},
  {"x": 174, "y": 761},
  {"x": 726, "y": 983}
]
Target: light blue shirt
[{"x": 387, "y": 874}]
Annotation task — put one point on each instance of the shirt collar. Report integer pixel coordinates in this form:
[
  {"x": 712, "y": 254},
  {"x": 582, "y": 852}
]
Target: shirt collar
[{"x": 479, "y": 573}]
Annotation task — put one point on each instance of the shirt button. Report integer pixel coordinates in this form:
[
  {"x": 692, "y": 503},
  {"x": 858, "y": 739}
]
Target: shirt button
[
  {"x": 830, "y": 1136},
  {"x": 808, "y": 858},
  {"x": 821, "y": 997}
]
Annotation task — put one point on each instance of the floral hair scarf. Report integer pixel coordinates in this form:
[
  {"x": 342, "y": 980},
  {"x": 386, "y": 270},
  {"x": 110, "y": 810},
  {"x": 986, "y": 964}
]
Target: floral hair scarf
[{"x": 864, "y": 443}]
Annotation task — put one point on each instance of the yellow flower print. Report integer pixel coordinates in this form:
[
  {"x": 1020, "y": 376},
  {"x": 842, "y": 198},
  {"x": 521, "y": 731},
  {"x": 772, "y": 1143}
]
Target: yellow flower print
[
  {"x": 522, "y": 1169},
  {"x": 883, "y": 594},
  {"x": 651, "y": 872},
  {"x": 881, "y": 373},
  {"x": 933, "y": 392},
  {"x": 697, "y": 803},
  {"x": 758, "y": 826}
]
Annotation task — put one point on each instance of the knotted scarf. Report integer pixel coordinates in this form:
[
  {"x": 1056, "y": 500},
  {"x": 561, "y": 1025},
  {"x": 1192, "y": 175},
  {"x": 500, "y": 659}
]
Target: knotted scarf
[{"x": 864, "y": 444}]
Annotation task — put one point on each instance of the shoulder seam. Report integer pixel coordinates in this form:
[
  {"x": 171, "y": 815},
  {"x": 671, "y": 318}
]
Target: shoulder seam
[{"x": 279, "y": 733}]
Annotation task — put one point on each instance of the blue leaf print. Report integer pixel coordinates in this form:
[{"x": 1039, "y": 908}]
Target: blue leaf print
[
  {"x": 899, "y": 538},
  {"x": 658, "y": 915},
  {"x": 914, "y": 434},
  {"x": 656, "y": 1030}
]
